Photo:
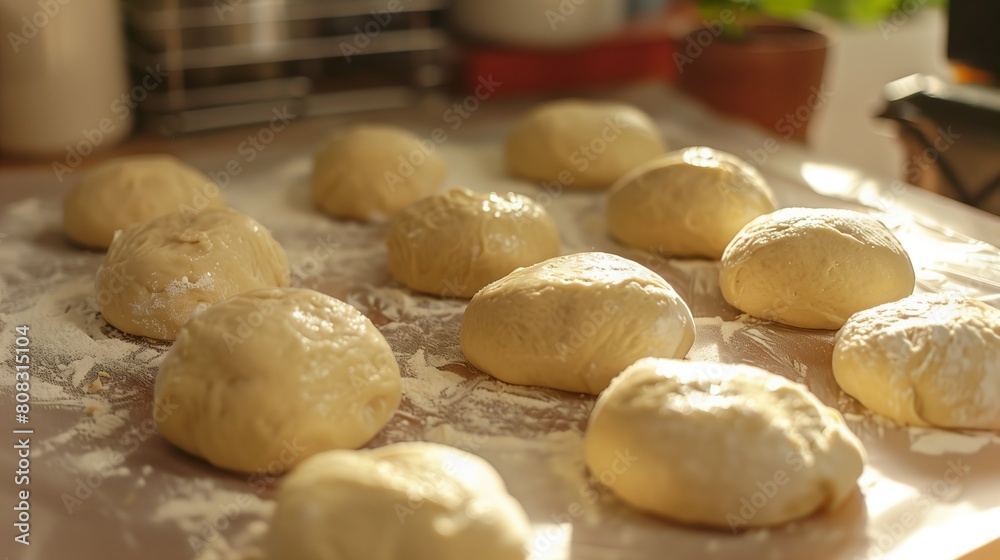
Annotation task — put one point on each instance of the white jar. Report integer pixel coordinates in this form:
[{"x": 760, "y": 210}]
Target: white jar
[{"x": 63, "y": 73}]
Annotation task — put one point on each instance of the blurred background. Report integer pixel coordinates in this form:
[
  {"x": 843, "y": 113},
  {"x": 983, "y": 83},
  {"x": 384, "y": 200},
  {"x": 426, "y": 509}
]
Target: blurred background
[{"x": 900, "y": 89}]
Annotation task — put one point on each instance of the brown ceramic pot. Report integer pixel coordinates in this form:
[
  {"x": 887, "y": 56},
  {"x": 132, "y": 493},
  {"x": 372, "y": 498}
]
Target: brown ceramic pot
[{"x": 772, "y": 76}]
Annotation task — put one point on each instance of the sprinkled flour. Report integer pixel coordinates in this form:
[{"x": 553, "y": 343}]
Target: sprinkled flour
[
  {"x": 930, "y": 441},
  {"x": 100, "y": 448}
]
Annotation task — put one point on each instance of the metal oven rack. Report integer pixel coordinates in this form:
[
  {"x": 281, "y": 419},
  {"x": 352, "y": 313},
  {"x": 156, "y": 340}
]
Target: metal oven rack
[{"x": 223, "y": 63}]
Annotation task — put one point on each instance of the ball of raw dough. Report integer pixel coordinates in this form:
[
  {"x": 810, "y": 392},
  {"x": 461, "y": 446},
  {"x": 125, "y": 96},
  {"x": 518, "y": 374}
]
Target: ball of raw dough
[
  {"x": 372, "y": 172},
  {"x": 157, "y": 274},
  {"x": 454, "y": 243},
  {"x": 401, "y": 501},
  {"x": 689, "y": 203},
  {"x": 926, "y": 360},
  {"x": 574, "y": 322},
  {"x": 269, "y": 377},
  {"x": 814, "y": 267},
  {"x": 719, "y": 445},
  {"x": 578, "y": 144},
  {"x": 132, "y": 190}
]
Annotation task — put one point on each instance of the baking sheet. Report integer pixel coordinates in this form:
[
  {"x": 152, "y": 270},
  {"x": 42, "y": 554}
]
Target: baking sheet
[{"x": 103, "y": 482}]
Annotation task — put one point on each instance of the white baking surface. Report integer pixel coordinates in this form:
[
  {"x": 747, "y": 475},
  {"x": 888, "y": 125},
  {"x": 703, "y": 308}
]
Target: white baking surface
[{"x": 103, "y": 483}]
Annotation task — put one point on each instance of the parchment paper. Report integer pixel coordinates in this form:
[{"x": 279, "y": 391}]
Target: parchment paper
[{"x": 105, "y": 484}]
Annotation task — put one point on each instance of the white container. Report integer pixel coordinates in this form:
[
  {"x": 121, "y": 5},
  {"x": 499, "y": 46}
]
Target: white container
[
  {"x": 539, "y": 23},
  {"x": 64, "y": 88}
]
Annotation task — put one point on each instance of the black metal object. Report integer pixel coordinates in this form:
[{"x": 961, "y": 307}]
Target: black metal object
[
  {"x": 972, "y": 34},
  {"x": 972, "y": 111}
]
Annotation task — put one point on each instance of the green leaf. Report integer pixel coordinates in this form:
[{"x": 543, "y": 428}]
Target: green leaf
[
  {"x": 850, "y": 11},
  {"x": 868, "y": 11},
  {"x": 785, "y": 9}
]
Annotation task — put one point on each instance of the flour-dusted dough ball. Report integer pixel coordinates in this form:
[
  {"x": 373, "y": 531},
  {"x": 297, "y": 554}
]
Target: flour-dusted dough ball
[
  {"x": 574, "y": 322},
  {"x": 925, "y": 360},
  {"x": 399, "y": 502},
  {"x": 814, "y": 267},
  {"x": 132, "y": 190},
  {"x": 267, "y": 378},
  {"x": 157, "y": 274},
  {"x": 720, "y": 445},
  {"x": 577, "y": 144},
  {"x": 371, "y": 172},
  {"x": 454, "y": 243},
  {"x": 689, "y": 203}
]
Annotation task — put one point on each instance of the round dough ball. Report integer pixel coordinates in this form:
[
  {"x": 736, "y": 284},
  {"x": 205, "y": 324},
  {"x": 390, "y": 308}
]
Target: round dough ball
[
  {"x": 157, "y": 274},
  {"x": 574, "y": 322},
  {"x": 268, "y": 378},
  {"x": 133, "y": 190},
  {"x": 372, "y": 172},
  {"x": 689, "y": 203},
  {"x": 454, "y": 243},
  {"x": 401, "y": 501},
  {"x": 578, "y": 144},
  {"x": 814, "y": 267},
  {"x": 720, "y": 445},
  {"x": 925, "y": 360}
]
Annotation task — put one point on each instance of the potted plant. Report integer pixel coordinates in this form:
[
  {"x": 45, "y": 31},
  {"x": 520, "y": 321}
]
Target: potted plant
[{"x": 763, "y": 60}]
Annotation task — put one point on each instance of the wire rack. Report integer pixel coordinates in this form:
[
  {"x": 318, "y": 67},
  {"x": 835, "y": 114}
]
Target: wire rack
[{"x": 232, "y": 62}]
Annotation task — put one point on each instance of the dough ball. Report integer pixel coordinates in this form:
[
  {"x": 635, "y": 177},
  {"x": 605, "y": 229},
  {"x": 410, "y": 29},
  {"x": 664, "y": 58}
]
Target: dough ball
[
  {"x": 398, "y": 502},
  {"x": 133, "y": 190},
  {"x": 269, "y": 377},
  {"x": 720, "y": 445},
  {"x": 157, "y": 274},
  {"x": 925, "y": 360},
  {"x": 814, "y": 267},
  {"x": 454, "y": 243},
  {"x": 578, "y": 144},
  {"x": 372, "y": 172},
  {"x": 689, "y": 203},
  {"x": 574, "y": 322}
]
